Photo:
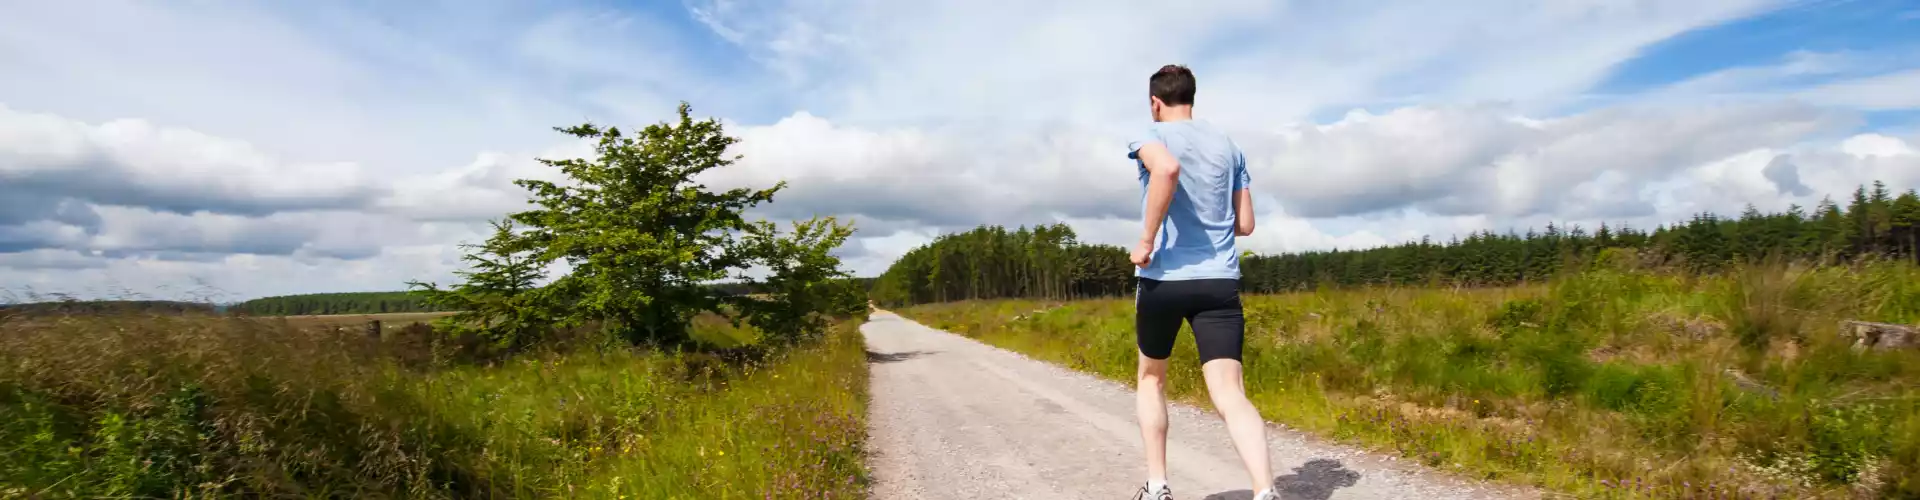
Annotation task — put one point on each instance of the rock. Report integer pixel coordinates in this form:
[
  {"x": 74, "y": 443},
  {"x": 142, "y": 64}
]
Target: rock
[
  {"x": 1879, "y": 335},
  {"x": 1750, "y": 385}
]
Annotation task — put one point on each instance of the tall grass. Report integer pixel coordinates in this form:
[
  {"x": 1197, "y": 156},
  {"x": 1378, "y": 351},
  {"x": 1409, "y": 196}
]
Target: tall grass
[
  {"x": 1612, "y": 383},
  {"x": 203, "y": 406}
]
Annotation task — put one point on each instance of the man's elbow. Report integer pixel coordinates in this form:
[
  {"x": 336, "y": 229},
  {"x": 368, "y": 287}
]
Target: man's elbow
[{"x": 1243, "y": 229}]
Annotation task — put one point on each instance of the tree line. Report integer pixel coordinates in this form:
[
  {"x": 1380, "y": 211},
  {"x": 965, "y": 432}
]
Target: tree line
[
  {"x": 335, "y": 303},
  {"x": 1047, "y": 262},
  {"x": 991, "y": 262}
]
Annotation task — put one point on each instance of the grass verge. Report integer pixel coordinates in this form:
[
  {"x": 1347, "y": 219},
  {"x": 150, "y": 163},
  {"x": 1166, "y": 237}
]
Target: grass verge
[
  {"x": 1607, "y": 384},
  {"x": 196, "y": 406}
]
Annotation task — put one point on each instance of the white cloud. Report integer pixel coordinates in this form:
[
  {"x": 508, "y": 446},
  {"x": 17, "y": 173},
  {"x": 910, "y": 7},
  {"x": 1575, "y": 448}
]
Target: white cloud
[
  {"x": 941, "y": 176},
  {"x": 1483, "y": 160},
  {"x": 137, "y": 163},
  {"x": 1899, "y": 90}
]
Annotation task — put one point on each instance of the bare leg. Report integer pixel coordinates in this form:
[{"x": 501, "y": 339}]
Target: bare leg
[
  {"x": 1243, "y": 420},
  {"x": 1151, "y": 404}
]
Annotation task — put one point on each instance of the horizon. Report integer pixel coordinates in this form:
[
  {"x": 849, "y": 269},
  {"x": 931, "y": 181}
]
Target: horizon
[{"x": 281, "y": 150}]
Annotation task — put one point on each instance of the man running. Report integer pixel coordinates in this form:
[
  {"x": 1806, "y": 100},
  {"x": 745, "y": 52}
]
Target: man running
[{"x": 1196, "y": 202}]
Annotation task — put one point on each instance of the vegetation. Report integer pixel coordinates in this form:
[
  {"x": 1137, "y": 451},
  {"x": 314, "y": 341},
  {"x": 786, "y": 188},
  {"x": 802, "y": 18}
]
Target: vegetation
[
  {"x": 1047, "y": 262},
  {"x": 627, "y": 376},
  {"x": 208, "y": 406},
  {"x": 1612, "y": 382},
  {"x": 335, "y": 303},
  {"x": 990, "y": 262}
]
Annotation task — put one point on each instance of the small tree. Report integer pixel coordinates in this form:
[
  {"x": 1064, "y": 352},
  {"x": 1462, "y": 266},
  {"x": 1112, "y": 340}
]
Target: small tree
[
  {"x": 806, "y": 284},
  {"x": 497, "y": 302},
  {"x": 645, "y": 241}
]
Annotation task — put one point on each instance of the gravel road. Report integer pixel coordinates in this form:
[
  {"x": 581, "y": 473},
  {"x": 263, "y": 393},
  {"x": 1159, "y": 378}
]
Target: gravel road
[{"x": 955, "y": 418}]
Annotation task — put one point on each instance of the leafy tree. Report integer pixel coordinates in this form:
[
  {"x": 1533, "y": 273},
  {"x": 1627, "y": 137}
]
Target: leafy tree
[{"x": 644, "y": 243}]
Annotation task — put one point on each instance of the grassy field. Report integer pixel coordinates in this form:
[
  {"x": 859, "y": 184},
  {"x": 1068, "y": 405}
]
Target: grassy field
[
  {"x": 200, "y": 406},
  {"x": 1609, "y": 384}
]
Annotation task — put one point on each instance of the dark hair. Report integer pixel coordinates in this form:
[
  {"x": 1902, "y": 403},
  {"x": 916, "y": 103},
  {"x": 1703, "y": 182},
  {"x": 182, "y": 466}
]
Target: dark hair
[{"x": 1173, "y": 84}]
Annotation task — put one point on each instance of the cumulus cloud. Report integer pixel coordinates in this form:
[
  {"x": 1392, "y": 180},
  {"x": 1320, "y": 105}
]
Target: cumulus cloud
[
  {"x": 941, "y": 177},
  {"x": 135, "y": 163},
  {"x": 127, "y": 187},
  {"x": 1785, "y": 176},
  {"x": 480, "y": 190},
  {"x": 1488, "y": 160}
]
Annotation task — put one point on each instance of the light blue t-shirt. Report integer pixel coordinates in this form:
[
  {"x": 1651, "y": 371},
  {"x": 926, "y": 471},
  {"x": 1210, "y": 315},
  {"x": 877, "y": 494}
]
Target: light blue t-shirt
[{"x": 1196, "y": 240}]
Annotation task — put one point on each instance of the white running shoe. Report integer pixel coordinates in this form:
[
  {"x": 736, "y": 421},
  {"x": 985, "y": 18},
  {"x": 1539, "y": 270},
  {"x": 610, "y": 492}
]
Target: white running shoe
[{"x": 1165, "y": 493}]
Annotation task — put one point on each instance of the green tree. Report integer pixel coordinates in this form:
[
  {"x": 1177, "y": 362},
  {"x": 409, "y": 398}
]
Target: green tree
[
  {"x": 806, "y": 284},
  {"x": 644, "y": 245},
  {"x": 496, "y": 301},
  {"x": 1906, "y": 224}
]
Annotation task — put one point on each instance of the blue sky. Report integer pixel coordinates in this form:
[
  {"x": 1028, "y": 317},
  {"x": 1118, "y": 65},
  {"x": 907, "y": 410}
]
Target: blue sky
[
  {"x": 253, "y": 149},
  {"x": 1883, "y": 27}
]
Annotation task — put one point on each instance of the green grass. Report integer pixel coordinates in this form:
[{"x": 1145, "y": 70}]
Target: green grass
[
  {"x": 159, "y": 407},
  {"x": 1608, "y": 384}
]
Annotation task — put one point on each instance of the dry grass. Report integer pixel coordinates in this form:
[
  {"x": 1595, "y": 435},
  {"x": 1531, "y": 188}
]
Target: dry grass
[{"x": 203, "y": 406}]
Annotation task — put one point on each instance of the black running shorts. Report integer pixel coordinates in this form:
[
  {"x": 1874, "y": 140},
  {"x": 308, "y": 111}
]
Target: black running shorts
[{"x": 1210, "y": 306}]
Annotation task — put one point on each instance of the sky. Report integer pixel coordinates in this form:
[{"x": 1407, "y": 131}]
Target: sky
[{"x": 220, "y": 151}]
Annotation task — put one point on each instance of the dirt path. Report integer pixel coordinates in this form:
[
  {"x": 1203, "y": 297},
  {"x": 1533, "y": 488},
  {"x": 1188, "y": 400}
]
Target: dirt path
[{"x": 955, "y": 418}]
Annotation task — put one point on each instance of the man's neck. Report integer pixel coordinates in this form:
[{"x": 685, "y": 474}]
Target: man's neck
[{"x": 1176, "y": 113}]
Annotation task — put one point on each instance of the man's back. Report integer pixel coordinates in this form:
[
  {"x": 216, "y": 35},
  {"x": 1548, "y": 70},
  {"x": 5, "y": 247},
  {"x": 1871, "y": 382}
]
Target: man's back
[{"x": 1197, "y": 239}]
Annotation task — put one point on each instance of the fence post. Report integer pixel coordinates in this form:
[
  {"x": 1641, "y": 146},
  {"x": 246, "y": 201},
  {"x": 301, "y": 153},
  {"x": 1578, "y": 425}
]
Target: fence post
[{"x": 373, "y": 329}]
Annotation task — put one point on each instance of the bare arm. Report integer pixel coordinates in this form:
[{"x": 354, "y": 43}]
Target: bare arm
[
  {"x": 1163, "y": 173},
  {"x": 1243, "y": 212}
]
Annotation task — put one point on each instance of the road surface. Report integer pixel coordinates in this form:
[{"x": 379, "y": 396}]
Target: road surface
[{"x": 955, "y": 418}]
